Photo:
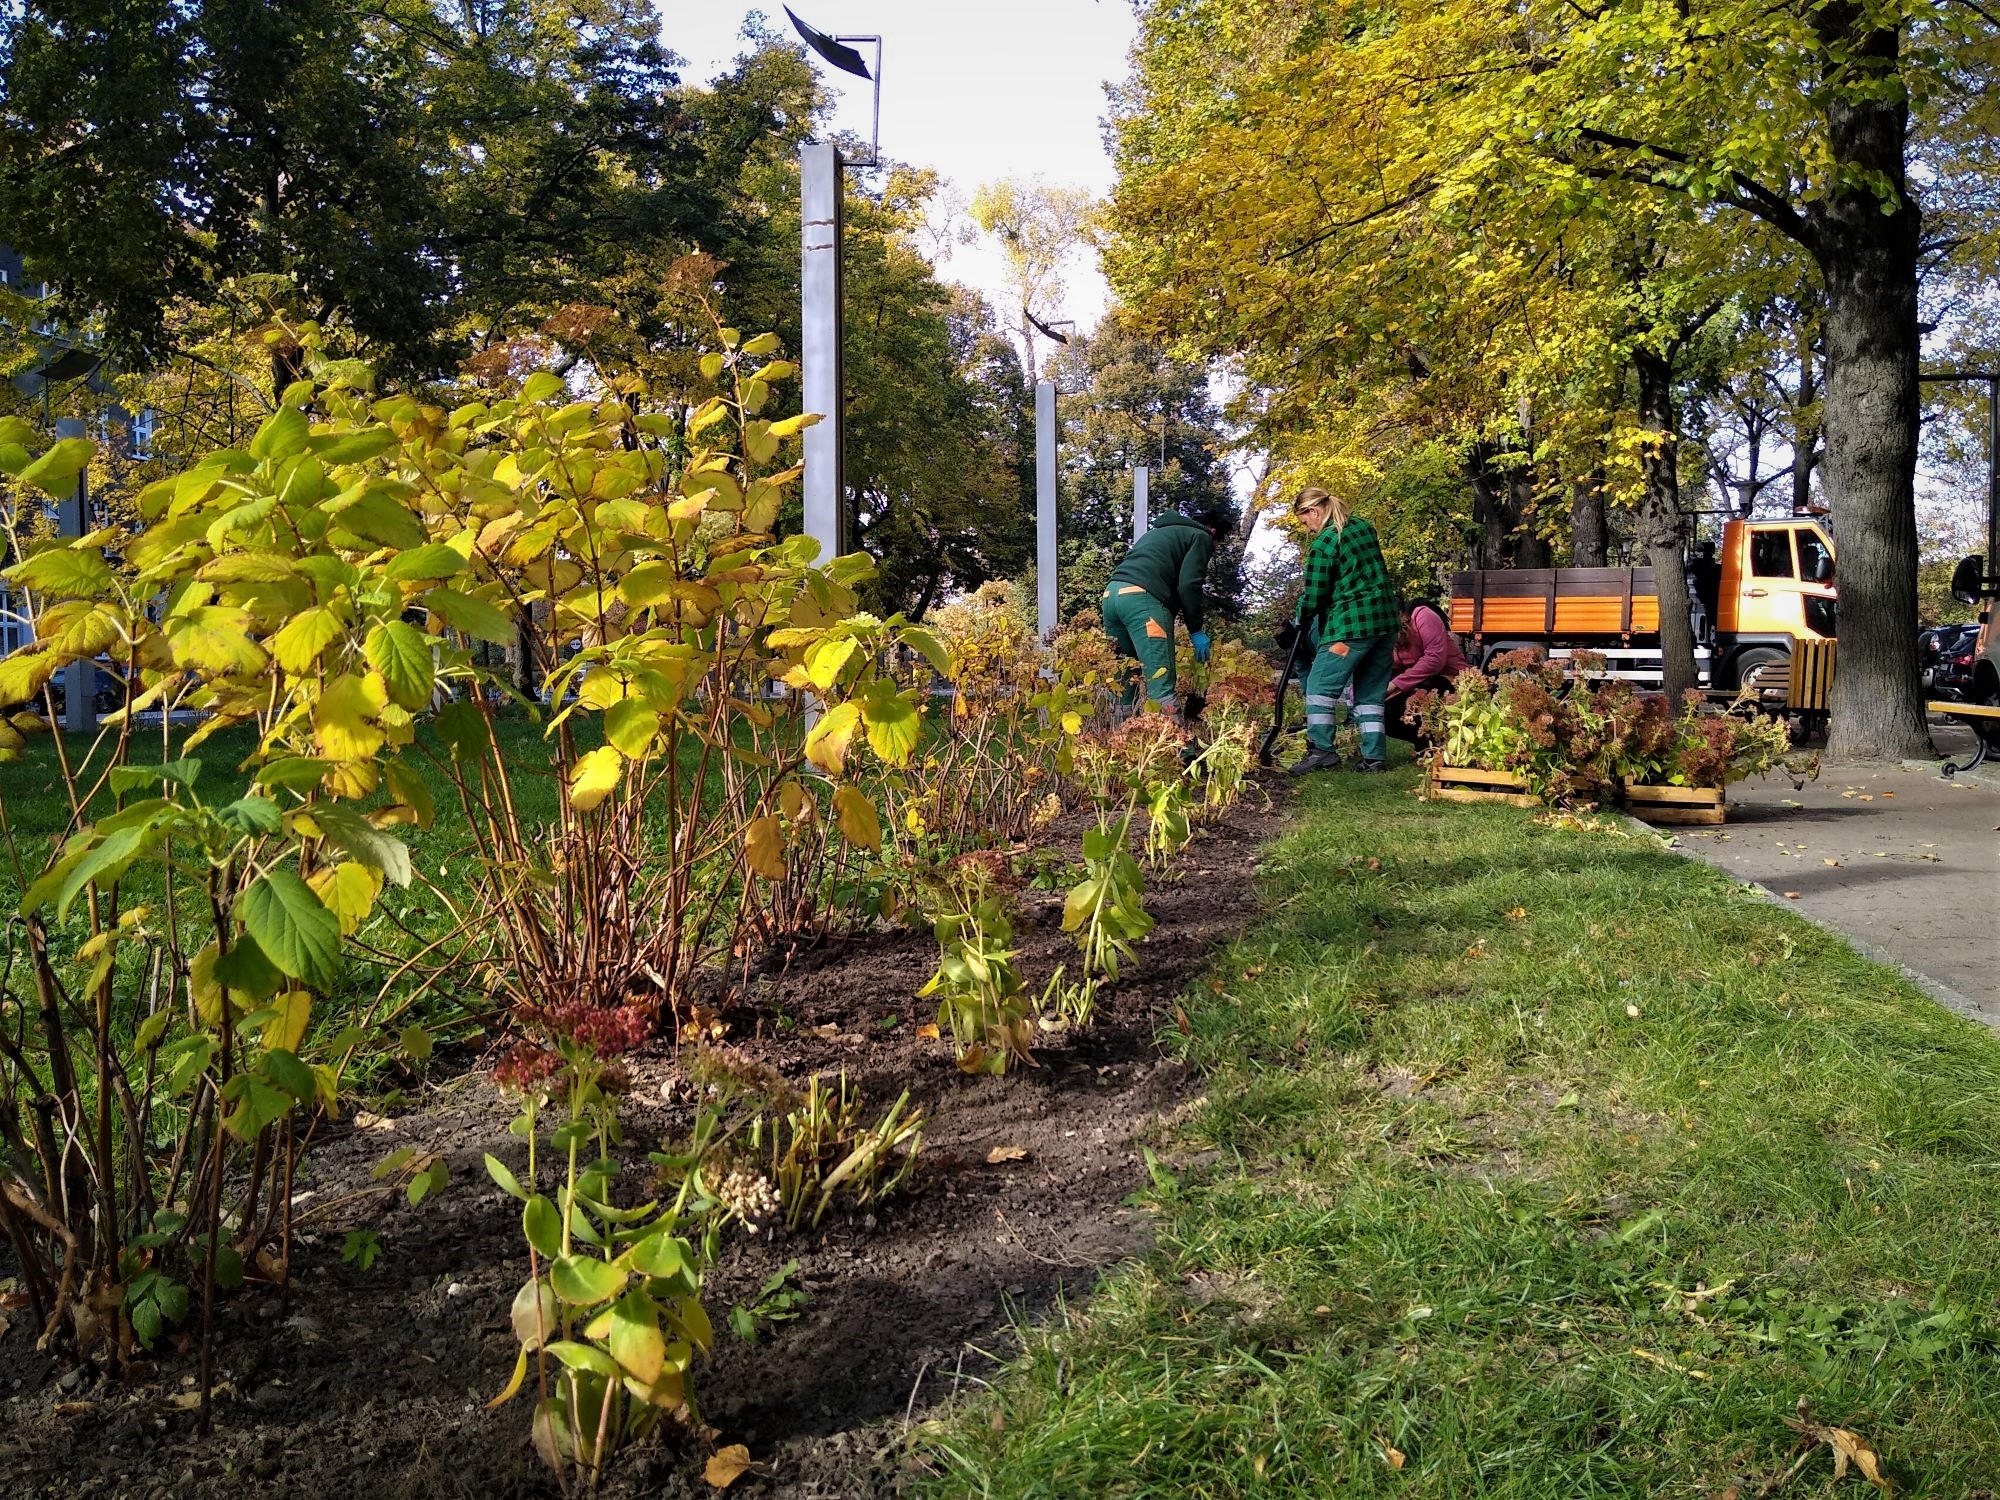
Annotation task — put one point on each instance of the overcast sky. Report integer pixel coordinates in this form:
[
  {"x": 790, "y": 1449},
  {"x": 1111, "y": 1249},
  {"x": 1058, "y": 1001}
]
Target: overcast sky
[{"x": 979, "y": 91}]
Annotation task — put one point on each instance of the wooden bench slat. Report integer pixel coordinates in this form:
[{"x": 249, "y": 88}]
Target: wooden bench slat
[{"x": 1964, "y": 710}]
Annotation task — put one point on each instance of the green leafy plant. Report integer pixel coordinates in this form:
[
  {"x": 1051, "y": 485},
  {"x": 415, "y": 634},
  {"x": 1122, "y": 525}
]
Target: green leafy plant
[
  {"x": 1106, "y": 910},
  {"x": 361, "y": 1248},
  {"x": 611, "y": 1315},
  {"x": 778, "y": 1300}
]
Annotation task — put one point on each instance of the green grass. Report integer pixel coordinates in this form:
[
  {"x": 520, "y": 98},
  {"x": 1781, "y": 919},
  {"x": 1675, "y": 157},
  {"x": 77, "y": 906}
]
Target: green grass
[{"x": 1482, "y": 1102}]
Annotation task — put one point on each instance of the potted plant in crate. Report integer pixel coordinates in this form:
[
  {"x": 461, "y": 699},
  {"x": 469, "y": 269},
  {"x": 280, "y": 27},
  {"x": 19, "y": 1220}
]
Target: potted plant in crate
[
  {"x": 1519, "y": 736},
  {"x": 1677, "y": 768}
]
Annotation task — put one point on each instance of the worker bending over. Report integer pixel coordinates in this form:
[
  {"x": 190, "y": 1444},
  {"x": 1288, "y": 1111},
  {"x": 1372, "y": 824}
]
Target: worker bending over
[
  {"x": 1164, "y": 575},
  {"x": 1350, "y": 604}
]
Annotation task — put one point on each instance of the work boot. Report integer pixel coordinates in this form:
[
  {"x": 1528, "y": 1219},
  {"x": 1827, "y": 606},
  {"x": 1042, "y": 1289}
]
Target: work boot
[
  {"x": 1316, "y": 760},
  {"x": 1371, "y": 765}
]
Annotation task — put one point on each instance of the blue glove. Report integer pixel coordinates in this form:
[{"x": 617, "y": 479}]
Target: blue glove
[{"x": 1200, "y": 640}]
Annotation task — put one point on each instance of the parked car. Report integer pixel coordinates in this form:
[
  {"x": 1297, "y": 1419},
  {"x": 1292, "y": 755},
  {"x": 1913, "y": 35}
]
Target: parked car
[{"x": 1947, "y": 654}]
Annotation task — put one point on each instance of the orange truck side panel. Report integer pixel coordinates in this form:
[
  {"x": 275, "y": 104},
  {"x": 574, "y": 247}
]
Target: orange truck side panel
[{"x": 1744, "y": 606}]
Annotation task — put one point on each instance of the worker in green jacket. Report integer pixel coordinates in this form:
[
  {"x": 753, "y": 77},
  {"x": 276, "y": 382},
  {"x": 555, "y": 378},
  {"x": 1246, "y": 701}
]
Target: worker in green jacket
[
  {"x": 1164, "y": 575},
  {"x": 1348, "y": 599}
]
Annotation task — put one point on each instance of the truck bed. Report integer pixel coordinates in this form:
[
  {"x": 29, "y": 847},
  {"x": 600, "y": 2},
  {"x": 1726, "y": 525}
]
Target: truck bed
[{"x": 1612, "y": 603}]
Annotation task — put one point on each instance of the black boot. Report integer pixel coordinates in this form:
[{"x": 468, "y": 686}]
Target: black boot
[{"x": 1316, "y": 760}]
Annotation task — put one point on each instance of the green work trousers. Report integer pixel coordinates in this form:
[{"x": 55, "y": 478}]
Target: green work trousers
[
  {"x": 1365, "y": 663},
  {"x": 1141, "y": 627}
]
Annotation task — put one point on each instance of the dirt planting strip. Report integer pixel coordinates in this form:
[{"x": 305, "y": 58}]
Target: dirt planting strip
[{"x": 372, "y": 1384}]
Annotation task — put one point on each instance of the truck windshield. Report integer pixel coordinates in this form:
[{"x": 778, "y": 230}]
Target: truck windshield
[
  {"x": 1812, "y": 548},
  {"x": 1771, "y": 554}
]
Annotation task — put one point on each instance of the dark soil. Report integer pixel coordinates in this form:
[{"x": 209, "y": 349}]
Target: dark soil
[{"x": 373, "y": 1384}]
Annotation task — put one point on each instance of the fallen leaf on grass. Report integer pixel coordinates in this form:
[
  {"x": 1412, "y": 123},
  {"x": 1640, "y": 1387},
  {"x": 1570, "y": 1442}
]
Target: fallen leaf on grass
[
  {"x": 1518, "y": 914},
  {"x": 1666, "y": 1364},
  {"x": 1632, "y": 1010},
  {"x": 928, "y": 1031},
  {"x": 1390, "y": 1452},
  {"x": 1848, "y": 1447},
  {"x": 1001, "y": 1154},
  {"x": 726, "y": 1465}
]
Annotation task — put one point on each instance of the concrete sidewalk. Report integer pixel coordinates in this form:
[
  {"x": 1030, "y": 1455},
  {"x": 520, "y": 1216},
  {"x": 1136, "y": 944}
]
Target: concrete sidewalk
[{"x": 1902, "y": 863}]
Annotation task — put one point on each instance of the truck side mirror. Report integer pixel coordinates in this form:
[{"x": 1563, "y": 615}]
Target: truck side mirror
[
  {"x": 1823, "y": 569},
  {"x": 1968, "y": 580}
]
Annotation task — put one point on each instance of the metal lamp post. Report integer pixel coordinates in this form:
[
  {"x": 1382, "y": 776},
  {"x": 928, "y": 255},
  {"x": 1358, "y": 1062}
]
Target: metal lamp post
[
  {"x": 822, "y": 174},
  {"x": 1046, "y": 600}
]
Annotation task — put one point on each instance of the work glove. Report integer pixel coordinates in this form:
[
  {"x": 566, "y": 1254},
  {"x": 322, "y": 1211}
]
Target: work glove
[{"x": 1199, "y": 638}]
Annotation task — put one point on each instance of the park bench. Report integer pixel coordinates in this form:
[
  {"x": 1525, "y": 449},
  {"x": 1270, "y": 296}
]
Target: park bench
[
  {"x": 1982, "y": 719},
  {"x": 1809, "y": 688}
]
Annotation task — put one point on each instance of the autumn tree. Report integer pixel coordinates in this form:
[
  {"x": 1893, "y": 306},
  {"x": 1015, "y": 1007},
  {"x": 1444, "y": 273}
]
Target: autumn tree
[
  {"x": 1037, "y": 227},
  {"x": 1312, "y": 183}
]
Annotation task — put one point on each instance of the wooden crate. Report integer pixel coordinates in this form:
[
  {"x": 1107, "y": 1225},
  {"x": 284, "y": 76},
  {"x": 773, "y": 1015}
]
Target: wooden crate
[
  {"x": 1676, "y": 804},
  {"x": 1443, "y": 783}
]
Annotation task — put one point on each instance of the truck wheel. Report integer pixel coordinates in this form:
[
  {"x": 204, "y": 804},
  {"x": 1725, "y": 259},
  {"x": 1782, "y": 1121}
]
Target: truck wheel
[{"x": 1755, "y": 667}]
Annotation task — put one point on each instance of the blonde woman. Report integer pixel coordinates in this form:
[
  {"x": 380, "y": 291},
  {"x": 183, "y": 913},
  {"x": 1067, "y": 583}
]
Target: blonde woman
[{"x": 1350, "y": 604}]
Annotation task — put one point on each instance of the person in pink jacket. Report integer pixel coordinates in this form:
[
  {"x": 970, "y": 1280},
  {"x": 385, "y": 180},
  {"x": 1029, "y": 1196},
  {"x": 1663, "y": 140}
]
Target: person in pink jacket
[{"x": 1426, "y": 656}]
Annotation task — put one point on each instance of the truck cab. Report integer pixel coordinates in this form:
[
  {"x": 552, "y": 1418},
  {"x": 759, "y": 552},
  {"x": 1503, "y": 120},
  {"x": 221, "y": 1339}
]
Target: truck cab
[{"x": 1776, "y": 588}]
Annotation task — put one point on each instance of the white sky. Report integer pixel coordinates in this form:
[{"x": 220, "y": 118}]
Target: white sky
[{"x": 978, "y": 91}]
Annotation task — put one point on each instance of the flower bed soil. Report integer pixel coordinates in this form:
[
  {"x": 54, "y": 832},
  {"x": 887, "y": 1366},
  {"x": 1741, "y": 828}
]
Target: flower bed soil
[{"x": 372, "y": 1384}]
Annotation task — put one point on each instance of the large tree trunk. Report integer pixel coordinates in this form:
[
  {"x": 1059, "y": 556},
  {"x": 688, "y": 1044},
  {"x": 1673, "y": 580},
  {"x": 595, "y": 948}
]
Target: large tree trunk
[
  {"x": 1589, "y": 530},
  {"x": 1661, "y": 526},
  {"x": 1867, "y": 253}
]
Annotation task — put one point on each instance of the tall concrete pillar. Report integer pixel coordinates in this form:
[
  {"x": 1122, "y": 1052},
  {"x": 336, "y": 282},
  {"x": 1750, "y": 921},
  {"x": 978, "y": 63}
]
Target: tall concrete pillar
[
  {"x": 1141, "y": 493},
  {"x": 1045, "y": 508},
  {"x": 79, "y": 677},
  {"x": 820, "y": 348}
]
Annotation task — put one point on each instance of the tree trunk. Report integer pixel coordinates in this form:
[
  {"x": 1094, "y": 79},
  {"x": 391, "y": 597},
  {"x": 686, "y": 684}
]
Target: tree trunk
[
  {"x": 1589, "y": 531},
  {"x": 1867, "y": 253},
  {"x": 1531, "y": 548},
  {"x": 1661, "y": 527}
]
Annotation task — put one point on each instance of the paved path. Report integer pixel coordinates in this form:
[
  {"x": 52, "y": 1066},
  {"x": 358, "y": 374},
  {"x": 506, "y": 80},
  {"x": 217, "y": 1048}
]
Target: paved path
[{"x": 1902, "y": 863}]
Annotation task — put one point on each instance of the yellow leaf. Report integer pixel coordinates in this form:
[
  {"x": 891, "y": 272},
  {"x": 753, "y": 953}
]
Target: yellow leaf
[
  {"x": 727, "y": 1465},
  {"x": 344, "y": 719},
  {"x": 858, "y": 822},
  {"x": 348, "y": 890},
  {"x": 764, "y": 846},
  {"x": 215, "y": 640},
  {"x": 1001, "y": 1154},
  {"x": 299, "y": 645},
  {"x": 287, "y": 1028},
  {"x": 826, "y": 744},
  {"x": 596, "y": 776},
  {"x": 793, "y": 802}
]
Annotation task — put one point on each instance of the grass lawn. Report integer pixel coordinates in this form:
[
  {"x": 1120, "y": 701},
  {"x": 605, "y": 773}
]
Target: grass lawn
[{"x": 1532, "y": 1161}]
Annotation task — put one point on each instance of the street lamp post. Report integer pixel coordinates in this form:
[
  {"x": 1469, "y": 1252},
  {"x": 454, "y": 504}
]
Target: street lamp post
[{"x": 822, "y": 363}]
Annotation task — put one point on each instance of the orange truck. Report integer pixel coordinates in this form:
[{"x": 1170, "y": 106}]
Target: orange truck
[{"x": 1769, "y": 587}]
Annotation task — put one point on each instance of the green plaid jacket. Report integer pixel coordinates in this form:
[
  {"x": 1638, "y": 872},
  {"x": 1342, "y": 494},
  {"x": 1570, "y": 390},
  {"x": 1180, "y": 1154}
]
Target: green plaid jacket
[{"x": 1348, "y": 584}]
